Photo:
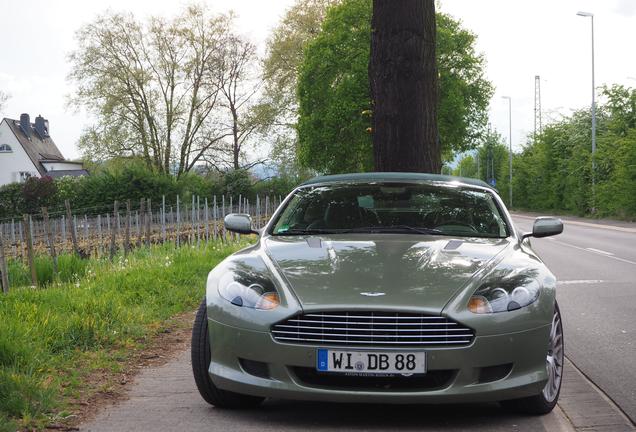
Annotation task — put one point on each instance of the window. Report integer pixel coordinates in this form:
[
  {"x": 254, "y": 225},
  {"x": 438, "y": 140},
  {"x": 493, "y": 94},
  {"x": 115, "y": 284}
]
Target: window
[
  {"x": 24, "y": 175},
  {"x": 5, "y": 148},
  {"x": 392, "y": 207}
]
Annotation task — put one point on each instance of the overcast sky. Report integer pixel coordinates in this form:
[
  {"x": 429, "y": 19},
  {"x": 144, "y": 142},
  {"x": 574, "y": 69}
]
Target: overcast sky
[{"x": 520, "y": 39}]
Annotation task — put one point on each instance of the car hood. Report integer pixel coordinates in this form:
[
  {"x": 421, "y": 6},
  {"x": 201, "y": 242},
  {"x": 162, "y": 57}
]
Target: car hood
[{"x": 388, "y": 271}]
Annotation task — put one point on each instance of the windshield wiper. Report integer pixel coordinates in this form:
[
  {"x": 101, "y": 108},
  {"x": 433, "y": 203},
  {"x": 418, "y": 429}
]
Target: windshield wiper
[
  {"x": 394, "y": 229},
  {"x": 307, "y": 231}
]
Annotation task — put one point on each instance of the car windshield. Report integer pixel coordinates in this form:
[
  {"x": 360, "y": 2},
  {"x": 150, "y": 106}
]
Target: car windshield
[{"x": 392, "y": 208}]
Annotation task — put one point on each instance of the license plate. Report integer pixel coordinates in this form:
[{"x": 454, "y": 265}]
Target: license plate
[{"x": 371, "y": 362}]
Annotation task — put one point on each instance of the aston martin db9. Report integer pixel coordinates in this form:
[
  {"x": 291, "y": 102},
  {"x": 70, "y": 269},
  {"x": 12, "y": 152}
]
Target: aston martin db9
[{"x": 383, "y": 287}]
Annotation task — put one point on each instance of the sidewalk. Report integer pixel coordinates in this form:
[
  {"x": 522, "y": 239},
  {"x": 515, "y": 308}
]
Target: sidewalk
[{"x": 166, "y": 399}]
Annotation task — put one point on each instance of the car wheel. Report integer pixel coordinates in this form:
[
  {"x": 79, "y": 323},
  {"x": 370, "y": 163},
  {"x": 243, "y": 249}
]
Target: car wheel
[
  {"x": 545, "y": 401},
  {"x": 200, "y": 363}
]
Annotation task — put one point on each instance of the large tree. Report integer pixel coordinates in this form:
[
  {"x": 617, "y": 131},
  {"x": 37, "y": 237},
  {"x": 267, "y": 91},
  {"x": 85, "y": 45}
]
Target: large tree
[
  {"x": 159, "y": 89},
  {"x": 403, "y": 79},
  {"x": 300, "y": 25},
  {"x": 334, "y": 97}
]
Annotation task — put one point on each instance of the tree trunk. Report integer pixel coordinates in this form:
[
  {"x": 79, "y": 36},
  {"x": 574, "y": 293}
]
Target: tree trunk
[{"x": 404, "y": 86}]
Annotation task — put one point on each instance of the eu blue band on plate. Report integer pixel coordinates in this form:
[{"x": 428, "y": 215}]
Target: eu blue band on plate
[{"x": 322, "y": 360}]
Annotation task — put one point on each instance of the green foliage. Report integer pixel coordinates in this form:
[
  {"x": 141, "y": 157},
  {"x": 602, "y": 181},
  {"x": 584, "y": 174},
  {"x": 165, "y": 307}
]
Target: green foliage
[
  {"x": 333, "y": 92},
  {"x": 38, "y": 193},
  {"x": 132, "y": 180},
  {"x": 464, "y": 90},
  {"x": 334, "y": 99},
  {"x": 285, "y": 46},
  {"x": 70, "y": 269},
  {"x": 553, "y": 173},
  {"x": 50, "y": 336}
]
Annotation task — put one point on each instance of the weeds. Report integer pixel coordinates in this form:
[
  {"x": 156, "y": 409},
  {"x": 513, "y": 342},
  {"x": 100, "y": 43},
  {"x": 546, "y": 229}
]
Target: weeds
[{"x": 49, "y": 337}]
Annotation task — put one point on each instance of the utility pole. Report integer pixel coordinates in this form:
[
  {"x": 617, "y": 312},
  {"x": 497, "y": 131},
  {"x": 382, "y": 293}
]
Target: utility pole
[
  {"x": 510, "y": 148},
  {"x": 538, "y": 127},
  {"x": 591, "y": 16}
]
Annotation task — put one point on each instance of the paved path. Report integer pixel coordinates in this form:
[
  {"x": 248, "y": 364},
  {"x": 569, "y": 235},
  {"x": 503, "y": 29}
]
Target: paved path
[
  {"x": 595, "y": 265},
  {"x": 166, "y": 399}
]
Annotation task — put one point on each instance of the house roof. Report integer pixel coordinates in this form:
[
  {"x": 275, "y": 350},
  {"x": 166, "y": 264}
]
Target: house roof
[
  {"x": 37, "y": 148},
  {"x": 395, "y": 176}
]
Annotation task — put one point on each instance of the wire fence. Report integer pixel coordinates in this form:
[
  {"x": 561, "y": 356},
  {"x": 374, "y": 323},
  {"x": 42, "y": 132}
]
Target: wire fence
[{"x": 94, "y": 232}]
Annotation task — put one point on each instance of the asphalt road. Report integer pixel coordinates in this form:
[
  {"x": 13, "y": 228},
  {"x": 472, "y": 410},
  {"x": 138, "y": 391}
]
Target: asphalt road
[{"x": 596, "y": 269}]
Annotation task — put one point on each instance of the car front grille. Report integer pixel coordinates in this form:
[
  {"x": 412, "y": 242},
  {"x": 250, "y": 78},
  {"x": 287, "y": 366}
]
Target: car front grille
[
  {"x": 375, "y": 328},
  {"x": 432, "y": 380}
]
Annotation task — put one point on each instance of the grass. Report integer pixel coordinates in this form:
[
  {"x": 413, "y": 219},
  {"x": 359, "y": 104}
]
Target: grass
[
  {"x": 86, "y": 320},
  {"x": 71, "y": 268}
]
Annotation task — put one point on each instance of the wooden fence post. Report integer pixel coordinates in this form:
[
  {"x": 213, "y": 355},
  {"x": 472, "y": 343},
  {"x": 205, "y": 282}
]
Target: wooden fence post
[
  {"x": 163, "y": 218},
  {"x": 4, "y": 273},
  {"x": 29, "y": 244},
  {"x": 140, "y": 223},
  {"x": 178, "y": 223},
  {"x": 49, "y": 236},
  {"x": 71, "y": 227},
  {"x": 148, "y": 223},
  {"x": 127, "y": 240},
  {"x": 215, "y": 216},
  {"x": 207, "y": 221},
  {"x": 113, "y": 235}
]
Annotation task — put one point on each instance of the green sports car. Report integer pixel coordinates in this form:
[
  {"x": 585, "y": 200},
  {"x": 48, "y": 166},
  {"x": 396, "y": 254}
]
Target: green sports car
[{"x": 383, "y": 287}]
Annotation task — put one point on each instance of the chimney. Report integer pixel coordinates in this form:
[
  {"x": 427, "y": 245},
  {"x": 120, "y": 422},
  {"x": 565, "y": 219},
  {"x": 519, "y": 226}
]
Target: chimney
[
  {"x": 42, "y": 126},
  {"x": 25, "y": 124}
]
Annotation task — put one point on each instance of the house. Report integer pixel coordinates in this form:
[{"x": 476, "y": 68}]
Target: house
[{"x": 27, "y": 150}]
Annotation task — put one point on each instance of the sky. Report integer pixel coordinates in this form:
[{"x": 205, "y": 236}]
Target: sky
[{"x": 519, "y": 39}]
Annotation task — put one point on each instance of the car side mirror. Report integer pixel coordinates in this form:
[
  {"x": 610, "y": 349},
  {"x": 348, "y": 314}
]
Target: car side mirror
[
  {"x": 239, "y": 223},
  {"x": 545, "y": 226}
]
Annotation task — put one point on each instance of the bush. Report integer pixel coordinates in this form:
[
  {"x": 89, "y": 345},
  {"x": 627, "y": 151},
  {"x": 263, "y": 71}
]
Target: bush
[{"x": 131, "y": 181}]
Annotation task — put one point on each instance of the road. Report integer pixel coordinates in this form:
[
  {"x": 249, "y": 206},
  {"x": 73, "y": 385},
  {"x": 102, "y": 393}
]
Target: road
[{"x": 596, "y": 269}]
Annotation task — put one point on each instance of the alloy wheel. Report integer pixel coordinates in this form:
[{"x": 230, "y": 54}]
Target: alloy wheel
[{"x": 554, "y": 359}]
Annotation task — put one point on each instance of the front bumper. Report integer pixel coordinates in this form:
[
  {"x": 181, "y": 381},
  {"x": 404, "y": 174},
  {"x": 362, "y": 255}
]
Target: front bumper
[{"x": 525, "y": 351}]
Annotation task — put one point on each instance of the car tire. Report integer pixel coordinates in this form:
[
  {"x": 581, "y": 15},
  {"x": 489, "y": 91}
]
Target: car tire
[
  {"x": 544, "y": 402},
  {"x": 201, "y": 356}
]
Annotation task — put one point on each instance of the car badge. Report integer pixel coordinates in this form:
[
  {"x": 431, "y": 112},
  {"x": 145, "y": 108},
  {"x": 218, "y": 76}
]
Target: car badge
[{"x": 373, "y": 294}]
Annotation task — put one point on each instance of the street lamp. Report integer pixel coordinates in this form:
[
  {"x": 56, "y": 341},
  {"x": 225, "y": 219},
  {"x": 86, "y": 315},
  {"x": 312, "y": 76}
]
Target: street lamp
[
  {"x": 591, "y": 16},
  {"x": 510, "y": 145}
]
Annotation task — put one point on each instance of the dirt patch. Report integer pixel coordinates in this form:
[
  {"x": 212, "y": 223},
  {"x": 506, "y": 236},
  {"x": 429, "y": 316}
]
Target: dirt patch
[{"x": 104, "y": 387}]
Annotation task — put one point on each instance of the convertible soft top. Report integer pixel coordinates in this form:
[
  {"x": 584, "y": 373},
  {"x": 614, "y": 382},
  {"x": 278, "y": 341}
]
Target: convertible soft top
[{"x": 395, "y": 176}]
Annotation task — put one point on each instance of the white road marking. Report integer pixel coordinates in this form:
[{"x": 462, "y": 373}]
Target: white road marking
[
  {"x": 596, "y": 253},
  {"x": 599, "y": 251},
  {"x": 580, "y": 282}
]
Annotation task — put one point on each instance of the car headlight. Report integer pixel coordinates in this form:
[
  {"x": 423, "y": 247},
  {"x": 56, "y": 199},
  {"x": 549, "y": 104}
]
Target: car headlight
[
  {"x": 504, "y": 296},
  {"x": 249, "y": 291}
]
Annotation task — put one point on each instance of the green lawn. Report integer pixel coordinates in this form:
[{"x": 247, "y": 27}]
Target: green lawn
[{"x": 51, "y": 337}]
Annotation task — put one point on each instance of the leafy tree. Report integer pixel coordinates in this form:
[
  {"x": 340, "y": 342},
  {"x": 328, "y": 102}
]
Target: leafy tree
[
  {"x": 300, "y": 25},
  {"x": 334, "y": 98},
  {"x": 155, "y": 87},
  {"x": 333, "y": 93},
  {"x": 237, "y": 91},
  {"x": 467, "y": 167}
]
